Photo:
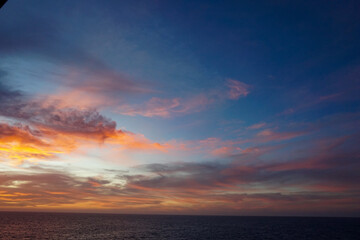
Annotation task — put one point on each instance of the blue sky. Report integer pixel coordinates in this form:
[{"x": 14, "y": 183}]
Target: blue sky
[{"x": 182, "y": 98}]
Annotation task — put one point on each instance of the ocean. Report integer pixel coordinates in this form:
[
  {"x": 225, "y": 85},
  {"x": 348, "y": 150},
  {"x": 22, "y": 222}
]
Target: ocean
[{"x": 14, "y": 225}]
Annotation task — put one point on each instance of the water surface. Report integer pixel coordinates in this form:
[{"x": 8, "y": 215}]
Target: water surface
[{"x": 111, "y": 226}]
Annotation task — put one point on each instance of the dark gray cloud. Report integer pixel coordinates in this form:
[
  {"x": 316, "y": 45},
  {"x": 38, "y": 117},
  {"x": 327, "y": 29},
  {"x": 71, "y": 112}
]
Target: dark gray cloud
[
  {"x": 335, "y": 165},
  {"x": 45, "y": 186},
  {"x": 14, "y": 104},
  {"x": 7, "y": 94}
]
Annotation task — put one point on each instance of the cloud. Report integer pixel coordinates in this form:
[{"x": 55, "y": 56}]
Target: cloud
[
  {"x": 257, "y": 126},
  {"x": 210, "y": 146},
  {"x": 155, "y": 107},
  {"x": 44, "y": 128},
  {"x": 61, "y": 190},
  {"x": 331, "y": 163},
  {"x": 237, "y": 89},
  {"x": 31, "y": 37},
  {"x": 256, "y": 185},
  {"x": 163, "y": 107},
  {"x": 226, "y": 151},
  {"x": 21, "y": 142},
  {"x": 270, "y": 135},
  {"x": 49, "y": 115},
  {"x": 232, "y": 185},
  {"x": 6, "y": 93},
  {"x": 158, "y": 107}
]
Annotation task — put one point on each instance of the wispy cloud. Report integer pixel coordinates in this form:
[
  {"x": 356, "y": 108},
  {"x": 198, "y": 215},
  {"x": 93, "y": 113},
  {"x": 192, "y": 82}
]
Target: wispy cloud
[
  {"x": 157, "y": 107},
  {"x": 237, "y": 89},
  {"x": 78, "y": 68},
  {"x": 162, "y": 107},
  {"x": 256, "y": 126},
  {"x": 271, "y": 135},
  {"x": 255, "y": 185}
]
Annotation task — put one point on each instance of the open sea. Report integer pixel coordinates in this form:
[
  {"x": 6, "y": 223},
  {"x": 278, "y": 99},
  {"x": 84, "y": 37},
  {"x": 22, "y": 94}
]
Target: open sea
[{"x": 111, "y": 226}]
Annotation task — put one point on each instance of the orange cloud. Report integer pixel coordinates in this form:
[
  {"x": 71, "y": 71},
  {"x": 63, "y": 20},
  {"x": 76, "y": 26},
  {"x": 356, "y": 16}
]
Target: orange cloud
[
  {"x": 21, "y": 142},
  {"x": 50, "y": 129},
  {"x": 311, "y": 184},
  {"x": 130, "y": 140}
]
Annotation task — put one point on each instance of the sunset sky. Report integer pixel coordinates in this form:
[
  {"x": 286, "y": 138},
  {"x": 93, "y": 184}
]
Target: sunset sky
[{"x": 180, "y": 107}]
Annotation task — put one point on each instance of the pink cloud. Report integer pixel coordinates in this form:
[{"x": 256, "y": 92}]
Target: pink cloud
[
  {"x": 324, "y": 155},
  {"x": 226, "y": 151},
  {"x": 237, "y": 89},
  {"x": 256, "y": 126},
  {"x": 161, "y": 107},
  {"x": 270, "y": 135},
  {"x": 167, "y": 107},
  {"x": 329, "y": 97},
  {"x": 155, "y": 107},
  {"x": 210, "y": 146}
]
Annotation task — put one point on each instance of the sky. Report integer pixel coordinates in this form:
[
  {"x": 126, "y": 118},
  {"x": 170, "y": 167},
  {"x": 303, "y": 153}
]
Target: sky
[{"x": 180, "y": 107}]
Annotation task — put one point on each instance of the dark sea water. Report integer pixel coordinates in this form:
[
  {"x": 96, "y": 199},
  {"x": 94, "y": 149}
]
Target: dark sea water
[{"x": 108, "y": 226}]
